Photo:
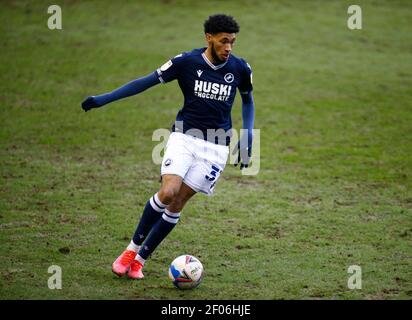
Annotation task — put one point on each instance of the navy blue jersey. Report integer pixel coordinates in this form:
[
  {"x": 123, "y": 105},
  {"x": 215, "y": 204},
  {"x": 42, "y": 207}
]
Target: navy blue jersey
[{"x": 209, "y": 90}]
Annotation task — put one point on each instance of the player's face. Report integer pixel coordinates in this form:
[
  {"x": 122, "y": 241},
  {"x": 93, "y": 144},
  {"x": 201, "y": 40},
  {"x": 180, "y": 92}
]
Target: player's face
[{"x": 221, "y": 45}]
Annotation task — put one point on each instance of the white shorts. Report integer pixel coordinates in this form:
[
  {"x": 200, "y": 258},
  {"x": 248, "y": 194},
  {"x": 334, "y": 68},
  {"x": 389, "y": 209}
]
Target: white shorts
[{"x": 197, "y": 161}]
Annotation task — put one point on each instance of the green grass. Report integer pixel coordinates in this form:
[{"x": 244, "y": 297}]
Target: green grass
[{"x": 334, "y": 188}]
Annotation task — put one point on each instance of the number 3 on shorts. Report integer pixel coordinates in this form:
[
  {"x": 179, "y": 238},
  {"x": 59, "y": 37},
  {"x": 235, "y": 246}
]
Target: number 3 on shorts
[{"x": 213, "y": 174}]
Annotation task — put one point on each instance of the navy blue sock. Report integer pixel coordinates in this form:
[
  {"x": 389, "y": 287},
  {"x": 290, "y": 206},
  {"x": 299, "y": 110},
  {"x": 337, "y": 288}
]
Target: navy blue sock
[
  {"x": 151, "y": 214},
  {"x": 159, "y": 231}
]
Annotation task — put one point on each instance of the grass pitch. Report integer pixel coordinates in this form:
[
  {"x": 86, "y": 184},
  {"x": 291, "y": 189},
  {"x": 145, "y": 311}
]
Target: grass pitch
[{"x": 334, "y": 188}]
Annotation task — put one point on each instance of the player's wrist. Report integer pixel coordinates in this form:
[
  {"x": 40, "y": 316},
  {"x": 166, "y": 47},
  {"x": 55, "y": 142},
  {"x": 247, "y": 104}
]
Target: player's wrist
[{"x": 103, "y": 99}]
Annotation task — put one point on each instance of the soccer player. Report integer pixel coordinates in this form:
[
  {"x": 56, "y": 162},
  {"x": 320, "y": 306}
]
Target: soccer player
[{"x": 198, "y": 147}]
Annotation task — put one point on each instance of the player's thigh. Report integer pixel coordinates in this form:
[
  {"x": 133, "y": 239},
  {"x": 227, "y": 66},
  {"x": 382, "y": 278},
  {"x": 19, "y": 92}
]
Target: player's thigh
[
  {"x": 169, "y": 188},
  {"x": 203, "y": 176},
  {"x": 178, "y": 157},
  {"x": 185, "y": 193},
  {"x": 209, "y": 164}
]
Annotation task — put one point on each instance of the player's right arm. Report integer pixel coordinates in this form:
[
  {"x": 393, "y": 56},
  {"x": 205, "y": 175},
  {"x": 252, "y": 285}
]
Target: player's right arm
[
  {"x": 132, "y": 88},
  {"x": 167, "y": 72}
]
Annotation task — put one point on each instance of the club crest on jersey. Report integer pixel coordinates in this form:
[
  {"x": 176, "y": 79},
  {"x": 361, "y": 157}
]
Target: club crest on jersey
[
  {"x": 229, "y": 77},
  {"x": 211, "y": 90}
]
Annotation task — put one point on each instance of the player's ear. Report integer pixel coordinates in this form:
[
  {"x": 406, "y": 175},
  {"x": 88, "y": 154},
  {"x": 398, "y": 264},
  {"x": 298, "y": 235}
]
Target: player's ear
[{"x": 208, "y": 37}]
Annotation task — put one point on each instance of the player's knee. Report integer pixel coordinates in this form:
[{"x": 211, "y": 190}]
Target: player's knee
[
  {"x": 176, "y": 205},
  {"x": 167, "y": 195}
]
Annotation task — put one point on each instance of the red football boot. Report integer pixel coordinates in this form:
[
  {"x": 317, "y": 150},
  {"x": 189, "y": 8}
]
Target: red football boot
[
  {"x": 135, "y": 271},
  {"x": 122, "y": 264}
]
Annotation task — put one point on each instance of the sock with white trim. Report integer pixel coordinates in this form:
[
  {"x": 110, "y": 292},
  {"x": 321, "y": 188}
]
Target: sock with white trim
[
  {"x": 151, "y": 214},
  {"x": 140, "y": 259},
  {"x": 159, "y": 231},
  {"x": 133, "y": 246}
]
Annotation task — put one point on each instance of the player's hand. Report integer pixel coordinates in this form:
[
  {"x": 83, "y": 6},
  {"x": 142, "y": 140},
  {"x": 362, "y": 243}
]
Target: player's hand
[
  {"x": 90, "y": 103},
  {"x": 243, "y": 156}
]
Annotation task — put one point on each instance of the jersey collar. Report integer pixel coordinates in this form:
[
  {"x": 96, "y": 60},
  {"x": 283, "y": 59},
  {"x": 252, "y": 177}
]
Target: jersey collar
[{"x": 212, "y": 65}]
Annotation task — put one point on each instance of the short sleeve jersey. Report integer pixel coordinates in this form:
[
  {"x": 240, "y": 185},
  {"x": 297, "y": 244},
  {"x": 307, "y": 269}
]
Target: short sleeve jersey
[{"x": 209, "y": 90}]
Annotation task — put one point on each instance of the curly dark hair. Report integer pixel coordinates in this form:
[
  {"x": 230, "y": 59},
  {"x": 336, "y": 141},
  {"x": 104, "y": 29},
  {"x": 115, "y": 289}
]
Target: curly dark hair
[{"x": 221, "y": 23}]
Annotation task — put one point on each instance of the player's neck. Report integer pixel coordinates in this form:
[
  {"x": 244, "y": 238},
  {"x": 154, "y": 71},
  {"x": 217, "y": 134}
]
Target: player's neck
[{"x": 209, "y": 56}]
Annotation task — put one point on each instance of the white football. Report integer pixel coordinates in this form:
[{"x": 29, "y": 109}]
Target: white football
[{"x": 186, "y": 272}]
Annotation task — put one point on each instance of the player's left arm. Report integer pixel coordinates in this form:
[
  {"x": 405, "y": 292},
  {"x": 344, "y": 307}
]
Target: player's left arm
[
  {"x": 246, "y": 140},
  {"x": 244, "y": 147}
]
